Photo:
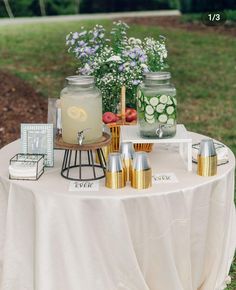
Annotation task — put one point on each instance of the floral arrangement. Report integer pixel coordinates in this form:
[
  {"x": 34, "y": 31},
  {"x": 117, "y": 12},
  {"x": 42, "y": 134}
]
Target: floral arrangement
[{"x": 118, "y": 61}]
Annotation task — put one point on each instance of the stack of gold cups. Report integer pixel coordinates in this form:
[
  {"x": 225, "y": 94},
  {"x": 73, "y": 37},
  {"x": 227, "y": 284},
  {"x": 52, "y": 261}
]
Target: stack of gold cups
[
  {"x": 115, "y": 173},
  {"x": 207, "y": 158},
  {"x": 127, "y": 154},
  {"x": 141, "y": 171}
]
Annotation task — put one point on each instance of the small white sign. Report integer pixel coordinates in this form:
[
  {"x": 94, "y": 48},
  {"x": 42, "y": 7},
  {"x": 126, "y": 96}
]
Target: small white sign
[
  {"x": 84, "y": 185},
  {"x": 164, "y": 178}
]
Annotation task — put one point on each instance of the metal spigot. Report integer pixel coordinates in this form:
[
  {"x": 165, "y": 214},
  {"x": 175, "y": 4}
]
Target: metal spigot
[
  {"x": 159, "y": 131},
  {"x": 80, "y": 136}
]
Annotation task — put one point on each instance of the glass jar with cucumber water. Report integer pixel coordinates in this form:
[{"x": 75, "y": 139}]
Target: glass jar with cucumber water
[{"x": 156, "y": 106}]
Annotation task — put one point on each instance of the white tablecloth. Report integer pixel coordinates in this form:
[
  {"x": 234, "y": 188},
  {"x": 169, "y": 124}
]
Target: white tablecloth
[{"x": 178, "y": 236}]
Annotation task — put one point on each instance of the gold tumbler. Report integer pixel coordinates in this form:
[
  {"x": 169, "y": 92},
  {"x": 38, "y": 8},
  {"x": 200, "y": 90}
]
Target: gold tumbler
[
  {"x": 141, "y": 179},
  {"x": 207, "y": 158},
  {"x": 141, "y": 171},
  {"x": 127, "y": 154},
  {"x": 115, "y": 175}
]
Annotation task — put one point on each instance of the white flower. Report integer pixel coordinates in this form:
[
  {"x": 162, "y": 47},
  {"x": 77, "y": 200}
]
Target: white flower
[
  {"x": 115, "y": 58},
  {"x": 134, "y": 41},
  {"x": 82, "y": 33},
  {"x": 87, "y": 67},
  {"x": 228, "y": 280},
  {"x": 75, "y": 35},
  {"x": 143, "y": 65}
]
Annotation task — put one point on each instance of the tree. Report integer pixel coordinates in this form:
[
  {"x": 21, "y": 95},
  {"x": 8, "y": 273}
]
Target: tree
[
  {"x": 8, "y": 8},
  {"x": 42, "y": 7},
  {"x": 77, "y": 3}
]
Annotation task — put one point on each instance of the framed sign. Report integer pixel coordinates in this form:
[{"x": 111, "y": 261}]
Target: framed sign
[{"x": 38, "y": 139}]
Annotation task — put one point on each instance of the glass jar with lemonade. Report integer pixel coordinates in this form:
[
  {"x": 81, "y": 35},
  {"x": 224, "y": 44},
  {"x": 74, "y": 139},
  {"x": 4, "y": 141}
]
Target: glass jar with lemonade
[{"x": 81, "y": 107}]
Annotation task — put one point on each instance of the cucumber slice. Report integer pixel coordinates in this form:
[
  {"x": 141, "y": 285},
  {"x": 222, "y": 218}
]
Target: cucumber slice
[
  {"x": 170, "y": 110},
  {"x": 149, "y": 116},
  {"x": 169, "y": 102},
  {"x": 160, "y": 108},
  {"x": 154, "y": 101},
  {"x": 175, "y": 101},
  {"x": 163, "y": 118},
  {"x": 139, "y": 94},
  {"x": 171, "y": 121},
  {"x": 151, "y": 121},
  {"x": 163, "y": 99},
  {"x": 149, "y": 110},
  {"x": 146, "y": 100}
]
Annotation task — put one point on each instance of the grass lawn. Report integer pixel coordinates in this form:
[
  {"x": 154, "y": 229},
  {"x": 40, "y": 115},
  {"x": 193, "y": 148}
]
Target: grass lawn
[{"x": 203, "y": 67}]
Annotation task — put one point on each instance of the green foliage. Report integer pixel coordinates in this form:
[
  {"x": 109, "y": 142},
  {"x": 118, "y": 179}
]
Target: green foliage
[
  {"x": 231, "y": 15},
  {"x": 193, "y": 6},
  {"x": 59, "y": 7},
  {"x": 88, "y": 6},
  {"x": 62, "y": 7},
  {"x": 31, "y": 7},
  {"x": 197, "y": 17}
]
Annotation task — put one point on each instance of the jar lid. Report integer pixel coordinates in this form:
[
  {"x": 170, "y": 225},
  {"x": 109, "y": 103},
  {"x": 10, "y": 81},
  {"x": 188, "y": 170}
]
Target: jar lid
[
  {"x": 80, "y": 80},
  {"x": 161, "y": 75}
]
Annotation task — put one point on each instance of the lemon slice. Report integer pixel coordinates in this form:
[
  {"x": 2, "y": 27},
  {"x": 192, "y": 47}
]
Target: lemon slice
[
  {"x": 77, "y": 113},
  {"x": 83, "y": 115}
]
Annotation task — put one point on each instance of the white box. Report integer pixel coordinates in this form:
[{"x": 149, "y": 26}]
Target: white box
[{"x": 131, "y": 134}]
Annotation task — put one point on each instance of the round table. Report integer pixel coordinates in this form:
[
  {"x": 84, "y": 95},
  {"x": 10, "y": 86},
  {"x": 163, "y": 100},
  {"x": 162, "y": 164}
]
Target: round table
[{"x": 176, "y": 236}]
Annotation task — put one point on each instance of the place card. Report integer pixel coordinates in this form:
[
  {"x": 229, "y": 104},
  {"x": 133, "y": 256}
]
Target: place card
[
  {"x": 84, "y": 185},
  {"x": 169, "y": 177}
]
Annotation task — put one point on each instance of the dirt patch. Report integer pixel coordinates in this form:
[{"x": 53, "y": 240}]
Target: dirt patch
[
  {"x": 19, "y": 103},
  {"x": 176, "y": 22}
]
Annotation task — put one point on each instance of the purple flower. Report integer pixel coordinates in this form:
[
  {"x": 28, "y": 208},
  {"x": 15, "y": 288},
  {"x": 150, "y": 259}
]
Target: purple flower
[
  {"x": 89, "y": 50},
  {"x": 133, "y": 63},
  {"x": 121, "y": 68},
  {"x": 132, "y": 55},
  {"x": 136, "y": 82},
  {"x": 143, "y": 58},
  {"x": 138, "y": 51},
  {"x": 81, "y": 43},
  {"x": 82, "y": 55}
]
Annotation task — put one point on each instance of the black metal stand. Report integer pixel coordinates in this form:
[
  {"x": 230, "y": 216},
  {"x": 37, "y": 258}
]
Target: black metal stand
[{"x": 73, "y": 159}]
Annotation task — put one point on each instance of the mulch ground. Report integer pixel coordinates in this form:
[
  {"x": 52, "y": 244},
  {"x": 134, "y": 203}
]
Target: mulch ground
[
  {"x": 175, "y": 22},
  {"x": 19, "y": 103}
]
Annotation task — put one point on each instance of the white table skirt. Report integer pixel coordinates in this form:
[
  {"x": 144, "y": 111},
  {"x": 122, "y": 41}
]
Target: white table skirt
[{"x": 178, "y": 236}]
